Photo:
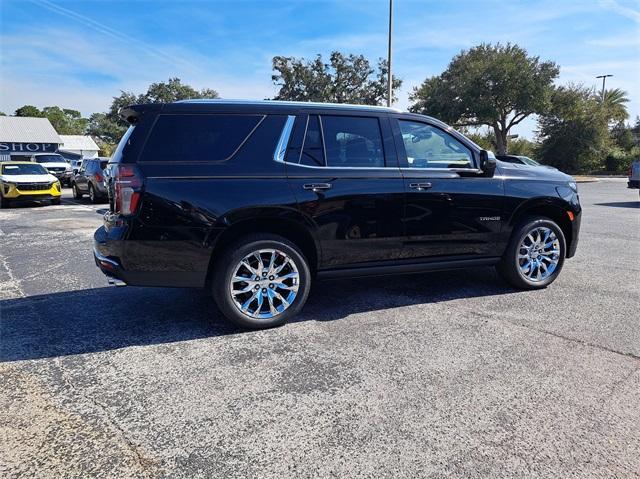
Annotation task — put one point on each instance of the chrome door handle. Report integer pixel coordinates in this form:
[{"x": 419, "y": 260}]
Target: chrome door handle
[
  {"x": 420, "y": 186},
  {"x": 317, "y": 186}
]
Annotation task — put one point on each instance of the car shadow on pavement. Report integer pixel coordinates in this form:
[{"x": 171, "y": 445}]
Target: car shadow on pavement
[
  {"x": 621, "y": 204},
  {"x": 101, "y": 319}
]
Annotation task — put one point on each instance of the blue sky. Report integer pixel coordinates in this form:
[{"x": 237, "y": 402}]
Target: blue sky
[{"x": 79, "y": 54}]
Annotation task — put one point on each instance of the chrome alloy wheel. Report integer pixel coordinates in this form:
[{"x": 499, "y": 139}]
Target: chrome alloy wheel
[
  {"x": 264, "y": 284},
  {"x": 538, "y": 254}
]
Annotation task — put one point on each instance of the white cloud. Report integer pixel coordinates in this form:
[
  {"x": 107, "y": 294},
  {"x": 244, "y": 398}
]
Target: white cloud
[{"x": 620, "y": 9}]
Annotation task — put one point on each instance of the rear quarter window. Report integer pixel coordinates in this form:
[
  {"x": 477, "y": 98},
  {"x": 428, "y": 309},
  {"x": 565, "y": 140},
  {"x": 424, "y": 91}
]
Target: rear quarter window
[{"x": 197, "y": 138}]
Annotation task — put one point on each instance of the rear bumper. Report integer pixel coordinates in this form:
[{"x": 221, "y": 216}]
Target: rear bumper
[{"x": 112, "y": 254}]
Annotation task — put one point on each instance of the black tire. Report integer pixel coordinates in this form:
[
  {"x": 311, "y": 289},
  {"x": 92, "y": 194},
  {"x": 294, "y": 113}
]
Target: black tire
[
  {"x": 55, "y": 201},
  {"x": 509, "y": 266},
  {"x": 76, "y": 192},
  {"x": 230, "y": 258},
  {"x": 93, "y": 195},
  {"x": 4, "y": 202}
]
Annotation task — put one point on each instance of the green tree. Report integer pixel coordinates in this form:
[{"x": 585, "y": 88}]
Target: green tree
[
  {"x": 573, "y": 133},
  {"x": 485, "y": 139},
  {"x": 522, "y": 147},
  {"x": 173, "y": 90},
  {"x": 109, "y": 127},
  {"x": 622, "y": 136},
  {"x": 614, "y": 102},
  {"x": 29, "y": 110},
  {"x": 492, "y": 85},
  {"x": 345, "y": 79},
  {"x": 64, "y": 120}
]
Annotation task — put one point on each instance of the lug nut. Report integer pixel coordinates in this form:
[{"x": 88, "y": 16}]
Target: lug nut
[
  {"x": 271, "y": 285},
  {"x": 264, "y": 290},
  {"x": 270, "y": 278}
]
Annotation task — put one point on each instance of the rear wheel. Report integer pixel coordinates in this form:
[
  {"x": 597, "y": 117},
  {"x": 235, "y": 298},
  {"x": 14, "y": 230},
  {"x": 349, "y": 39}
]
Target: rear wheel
[
  {"x": 535, "y": 254},
  {"x": 261, "y": 281},
  {"x": 76, "y": 192}
]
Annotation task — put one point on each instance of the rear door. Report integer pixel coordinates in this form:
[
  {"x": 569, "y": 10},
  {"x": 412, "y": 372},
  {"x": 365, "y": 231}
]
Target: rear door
[
  {"x": 344, "y": 173},
  {"x": 451, "y": 209}
]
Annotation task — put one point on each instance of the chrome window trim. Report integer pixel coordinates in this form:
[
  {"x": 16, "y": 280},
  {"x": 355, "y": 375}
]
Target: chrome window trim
[
  {"x": 387, "y": 168},
  {"x": 283, "y": 142}
]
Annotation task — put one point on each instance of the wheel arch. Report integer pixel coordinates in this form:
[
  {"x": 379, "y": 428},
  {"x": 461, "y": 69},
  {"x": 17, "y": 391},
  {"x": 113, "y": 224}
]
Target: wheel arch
[
  {"x": 551, "y": 208},
  {"x": 286, "y": 223}
]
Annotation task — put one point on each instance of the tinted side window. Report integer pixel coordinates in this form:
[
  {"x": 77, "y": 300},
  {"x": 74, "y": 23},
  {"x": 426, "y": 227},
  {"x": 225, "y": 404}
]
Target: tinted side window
[
  {"x": 197, "y": 137},
  {"x": 430, "y": 147},
  {"x": 353, "y": 141},
  {"x": 312, "y": 151}
]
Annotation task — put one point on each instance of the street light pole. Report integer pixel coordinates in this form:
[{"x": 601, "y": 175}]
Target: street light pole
[
  {"x": 389, "y": 74},
  {"x": 604, "y": 79}
]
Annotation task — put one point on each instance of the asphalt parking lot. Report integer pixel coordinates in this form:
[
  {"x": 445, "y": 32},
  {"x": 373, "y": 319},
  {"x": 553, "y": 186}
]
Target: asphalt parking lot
[{"x": 435, "y": 375}]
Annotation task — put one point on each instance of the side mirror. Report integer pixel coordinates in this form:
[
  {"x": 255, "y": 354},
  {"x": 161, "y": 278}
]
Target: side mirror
[{"x": 487, "y": 163}]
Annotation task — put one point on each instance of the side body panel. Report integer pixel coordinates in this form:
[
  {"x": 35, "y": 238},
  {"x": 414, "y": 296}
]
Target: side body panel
[{"x": 185, "y": 206}]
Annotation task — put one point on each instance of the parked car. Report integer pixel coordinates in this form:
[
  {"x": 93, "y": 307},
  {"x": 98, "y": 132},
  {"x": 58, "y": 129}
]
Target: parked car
[
  {"x": 75, "y": 166},
  {"x": 255, "y": 200},
  {"x": 56, "y": 165},
  {"x": 522, "y": 160},
  {"x": 109, "y": 176},
  {"x": 27, "y": 181},
  {"x": 90, "y": 180},
  {"x": 634, "y": 175}
]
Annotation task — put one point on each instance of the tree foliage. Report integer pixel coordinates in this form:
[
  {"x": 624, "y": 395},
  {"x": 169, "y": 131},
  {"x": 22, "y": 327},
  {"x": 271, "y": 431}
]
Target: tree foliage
[
  {"x": 108, "y": 127},
  {"x": 345, "y": 79},
  {"x": 493, "y": 85},
  {"x": 64, "y": 120},
  {"x": 614, "y": 102},
  {"x": 573, "y": 133}
]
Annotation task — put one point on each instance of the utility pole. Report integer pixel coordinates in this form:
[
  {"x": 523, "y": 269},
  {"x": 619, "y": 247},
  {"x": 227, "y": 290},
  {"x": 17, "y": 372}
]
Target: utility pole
[
  {"x": 604, "y": 79},
  {"x": 389, "y": 74}
]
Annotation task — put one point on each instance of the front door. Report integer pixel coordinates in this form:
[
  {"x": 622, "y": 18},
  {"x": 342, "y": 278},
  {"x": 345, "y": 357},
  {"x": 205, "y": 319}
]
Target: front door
[
  {"x": 451, "y": 209},
  {"x": 343, "y": 171}
]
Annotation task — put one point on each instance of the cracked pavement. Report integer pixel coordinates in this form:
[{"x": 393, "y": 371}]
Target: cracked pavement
[{"x": 431, "y": 375}]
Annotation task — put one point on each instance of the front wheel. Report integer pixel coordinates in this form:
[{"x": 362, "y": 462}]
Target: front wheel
[
  {"x": 4, "y": 202},
  {"x": 93, "y": 196},
  {"x": 261, "y": 281},
  {"x": 535, "y": 254}
]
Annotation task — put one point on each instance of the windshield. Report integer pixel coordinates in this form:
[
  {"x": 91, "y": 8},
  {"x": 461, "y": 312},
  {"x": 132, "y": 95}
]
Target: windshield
[
  {"x": 50, "y": 159},
  {"x": 528, "y": 161},
  {"x": 23, "y": 169}
]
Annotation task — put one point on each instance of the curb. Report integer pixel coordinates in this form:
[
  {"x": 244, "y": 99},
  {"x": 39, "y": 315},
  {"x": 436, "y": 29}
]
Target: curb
[{"x": 586, "y": 179}]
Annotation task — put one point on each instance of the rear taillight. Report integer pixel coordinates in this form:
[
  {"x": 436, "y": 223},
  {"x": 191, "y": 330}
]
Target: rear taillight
[
  {"x": 99, "y": 177},
  {"x": 127, "y": 184}
]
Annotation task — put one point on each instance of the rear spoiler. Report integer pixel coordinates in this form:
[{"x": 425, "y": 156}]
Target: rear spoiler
[{"x": 132, "y": 113}]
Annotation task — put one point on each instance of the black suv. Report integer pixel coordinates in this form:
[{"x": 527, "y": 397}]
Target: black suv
[{"x": 253, "y": 200}]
